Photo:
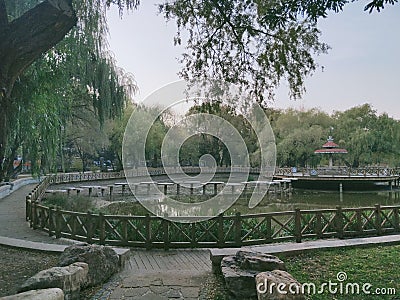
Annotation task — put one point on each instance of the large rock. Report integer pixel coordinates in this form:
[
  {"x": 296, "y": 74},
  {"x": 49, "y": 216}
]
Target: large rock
[
  {"x": 103, "y": 261},
  {"x": 240, "y": 270},
  {"x": 44, "y": 294},
  {"x": 278, "y": 285},
  {"x": 69, "y": 278}
]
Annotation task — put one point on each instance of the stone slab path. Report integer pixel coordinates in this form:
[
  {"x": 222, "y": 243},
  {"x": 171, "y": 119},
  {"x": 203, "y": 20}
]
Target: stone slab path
[{"x": 160, "y": 274}]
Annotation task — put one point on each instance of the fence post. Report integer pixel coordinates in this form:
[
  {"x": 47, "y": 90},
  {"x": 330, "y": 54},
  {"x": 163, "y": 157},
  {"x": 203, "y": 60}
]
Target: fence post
[
  {"x": 72, "y": 224},
  {"x": 29, "y": 207},
  {"x": 193, "y": 235},
  {"x": 165, "y": 225},
  {"x": 318, "y": 225},
  {"x": 339, "y": 222},
  {"x": 34, "y": 214},
  {"x": 58, "y": 223},
  {"x": 102, "y": 227},
  {"x": 238, "y": 230},
  {"x": 378, "y": 219},
  {"x": 51, "y": 223},
  {"x": 89, "y": 227},
  {"x": 396, "y": 219},
  {"x": 297, "y": 225},
  {"x": 268, "y": 221},
  {"x": 125, "y": 238},
  {"x": 221, "y": 241},
  {"x": 148, "y": 231}
]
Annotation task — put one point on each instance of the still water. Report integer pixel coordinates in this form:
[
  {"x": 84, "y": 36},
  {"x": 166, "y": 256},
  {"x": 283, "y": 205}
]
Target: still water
[
  {"x": 302, "y": 199},
  {"x": 307, "y": 199}
]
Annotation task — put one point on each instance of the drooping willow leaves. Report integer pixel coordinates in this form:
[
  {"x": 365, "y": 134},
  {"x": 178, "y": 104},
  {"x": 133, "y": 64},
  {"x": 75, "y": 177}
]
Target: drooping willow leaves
[{"x": 75, "y": 78}]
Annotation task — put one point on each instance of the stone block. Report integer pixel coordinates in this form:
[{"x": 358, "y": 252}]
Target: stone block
[
  {"x": 69, "y": 278},
  {"x": 43, "y": 294}
]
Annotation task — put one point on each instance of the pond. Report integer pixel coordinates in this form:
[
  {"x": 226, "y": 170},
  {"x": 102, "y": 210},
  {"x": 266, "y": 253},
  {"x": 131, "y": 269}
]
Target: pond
[{"x": 272, "y": 202}]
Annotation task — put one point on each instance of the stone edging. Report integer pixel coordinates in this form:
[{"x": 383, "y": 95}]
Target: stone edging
[
  {"x": 7, "y": 189},
  {"x": 123, "y": 253},
  {"x": 291, "y": 249}
]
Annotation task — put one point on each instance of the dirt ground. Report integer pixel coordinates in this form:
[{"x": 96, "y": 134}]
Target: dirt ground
[{"x": 17, "y": 265}]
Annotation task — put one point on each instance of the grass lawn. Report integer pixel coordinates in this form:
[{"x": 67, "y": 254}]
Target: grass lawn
[{"x": 378, "y": 266}]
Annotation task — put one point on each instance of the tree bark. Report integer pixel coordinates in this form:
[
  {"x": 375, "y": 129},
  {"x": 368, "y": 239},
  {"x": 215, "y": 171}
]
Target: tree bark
[
  {"x": 3, "y": 141},
  {"x": 3, "y": 14},
  {"x": 22, "y": 41}
]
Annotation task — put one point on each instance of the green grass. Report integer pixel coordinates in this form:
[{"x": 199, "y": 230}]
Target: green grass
[{"x": 378, "y": 266}]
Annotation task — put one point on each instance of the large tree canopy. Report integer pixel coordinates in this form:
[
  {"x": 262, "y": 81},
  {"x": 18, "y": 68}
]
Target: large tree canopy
[{"x": 255, "y": 44}]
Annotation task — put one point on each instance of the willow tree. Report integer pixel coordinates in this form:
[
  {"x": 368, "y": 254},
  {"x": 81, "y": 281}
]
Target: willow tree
[{"x": 51, "y": 52}]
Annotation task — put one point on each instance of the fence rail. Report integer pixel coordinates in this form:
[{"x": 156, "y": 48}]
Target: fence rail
[
  {"x": 339, "y": 171},
  {"x": 222, "y": 231}
]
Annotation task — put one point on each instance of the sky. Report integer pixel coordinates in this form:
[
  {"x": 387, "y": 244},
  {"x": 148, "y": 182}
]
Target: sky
[{"x": 363, "y": 65}]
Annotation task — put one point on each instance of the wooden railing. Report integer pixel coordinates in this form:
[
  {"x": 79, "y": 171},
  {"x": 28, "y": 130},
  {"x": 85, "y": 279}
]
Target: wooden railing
[
  {"x": 221, "y": 231},
  {"x": 339, "y": 171}
]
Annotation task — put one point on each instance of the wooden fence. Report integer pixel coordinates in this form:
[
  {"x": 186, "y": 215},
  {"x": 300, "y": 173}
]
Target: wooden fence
[
  {"x": 340, "y": 171},
  {"x": 221, "y": 231}
]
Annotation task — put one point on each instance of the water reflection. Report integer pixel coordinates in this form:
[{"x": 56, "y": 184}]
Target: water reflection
[
  {"x": 275, "y": 202},
  {"x": 306, "y": 199}
]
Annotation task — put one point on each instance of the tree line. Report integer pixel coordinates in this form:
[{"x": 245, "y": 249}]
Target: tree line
[{"x": 370, "y": 138}]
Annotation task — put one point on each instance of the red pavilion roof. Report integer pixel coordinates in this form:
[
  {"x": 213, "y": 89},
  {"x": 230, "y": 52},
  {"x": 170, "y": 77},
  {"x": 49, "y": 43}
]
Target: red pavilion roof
[
  {"x": 330, "y": 147},
  {"x": 327, "y": 151},
  {"x": 330, "y": 144}
]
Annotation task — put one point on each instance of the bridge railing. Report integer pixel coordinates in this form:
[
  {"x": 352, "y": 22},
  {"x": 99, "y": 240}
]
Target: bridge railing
[
  {"x": 339, "y": 171},
  {"x": 222, "y": 231}
]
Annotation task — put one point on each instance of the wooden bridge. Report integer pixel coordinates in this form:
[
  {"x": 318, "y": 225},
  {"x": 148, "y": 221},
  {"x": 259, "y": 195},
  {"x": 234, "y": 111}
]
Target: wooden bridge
[{"x": 341, "y": 178}]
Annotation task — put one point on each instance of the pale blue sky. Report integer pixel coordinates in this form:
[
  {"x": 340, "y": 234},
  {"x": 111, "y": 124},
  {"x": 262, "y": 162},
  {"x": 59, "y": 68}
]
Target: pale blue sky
[{"x": 363, "y": 65}]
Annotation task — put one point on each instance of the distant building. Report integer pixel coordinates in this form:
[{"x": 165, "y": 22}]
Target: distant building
[{"x": 330, "y": 148}]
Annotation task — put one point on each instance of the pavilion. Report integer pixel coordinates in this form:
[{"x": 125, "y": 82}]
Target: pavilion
[{"x": 331, "y": 149}]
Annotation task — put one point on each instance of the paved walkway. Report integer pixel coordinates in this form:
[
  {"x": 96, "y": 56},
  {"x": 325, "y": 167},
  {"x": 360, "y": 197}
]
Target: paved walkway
[{"x": 13, "y": 223}]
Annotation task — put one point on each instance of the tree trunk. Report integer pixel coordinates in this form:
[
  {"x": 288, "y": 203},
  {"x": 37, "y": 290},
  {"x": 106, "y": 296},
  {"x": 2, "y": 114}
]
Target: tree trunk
[
  {"x": 25, "y": 39},
  {"x": 22, "y": 41},
  {"x": 3, "y": 139}
]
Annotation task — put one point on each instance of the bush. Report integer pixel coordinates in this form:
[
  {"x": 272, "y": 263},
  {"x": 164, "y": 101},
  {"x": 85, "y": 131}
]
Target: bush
[{"x": 71, "y": 203}]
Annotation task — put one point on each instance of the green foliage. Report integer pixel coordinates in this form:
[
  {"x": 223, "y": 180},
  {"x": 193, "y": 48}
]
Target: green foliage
[
  {"x": 124, "y": 208},
  {"x": 201, "y": 144},
  {"x": 66, "y": 90},
  {"x": 137, "y": 133},
  {"x": 72, "y": 203},
  {"x": 240, "y": 43},
  {"x": 115, "y": 131},
  {"x": 254, "y": 44},
  {"x": 370, "y": 138}
]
